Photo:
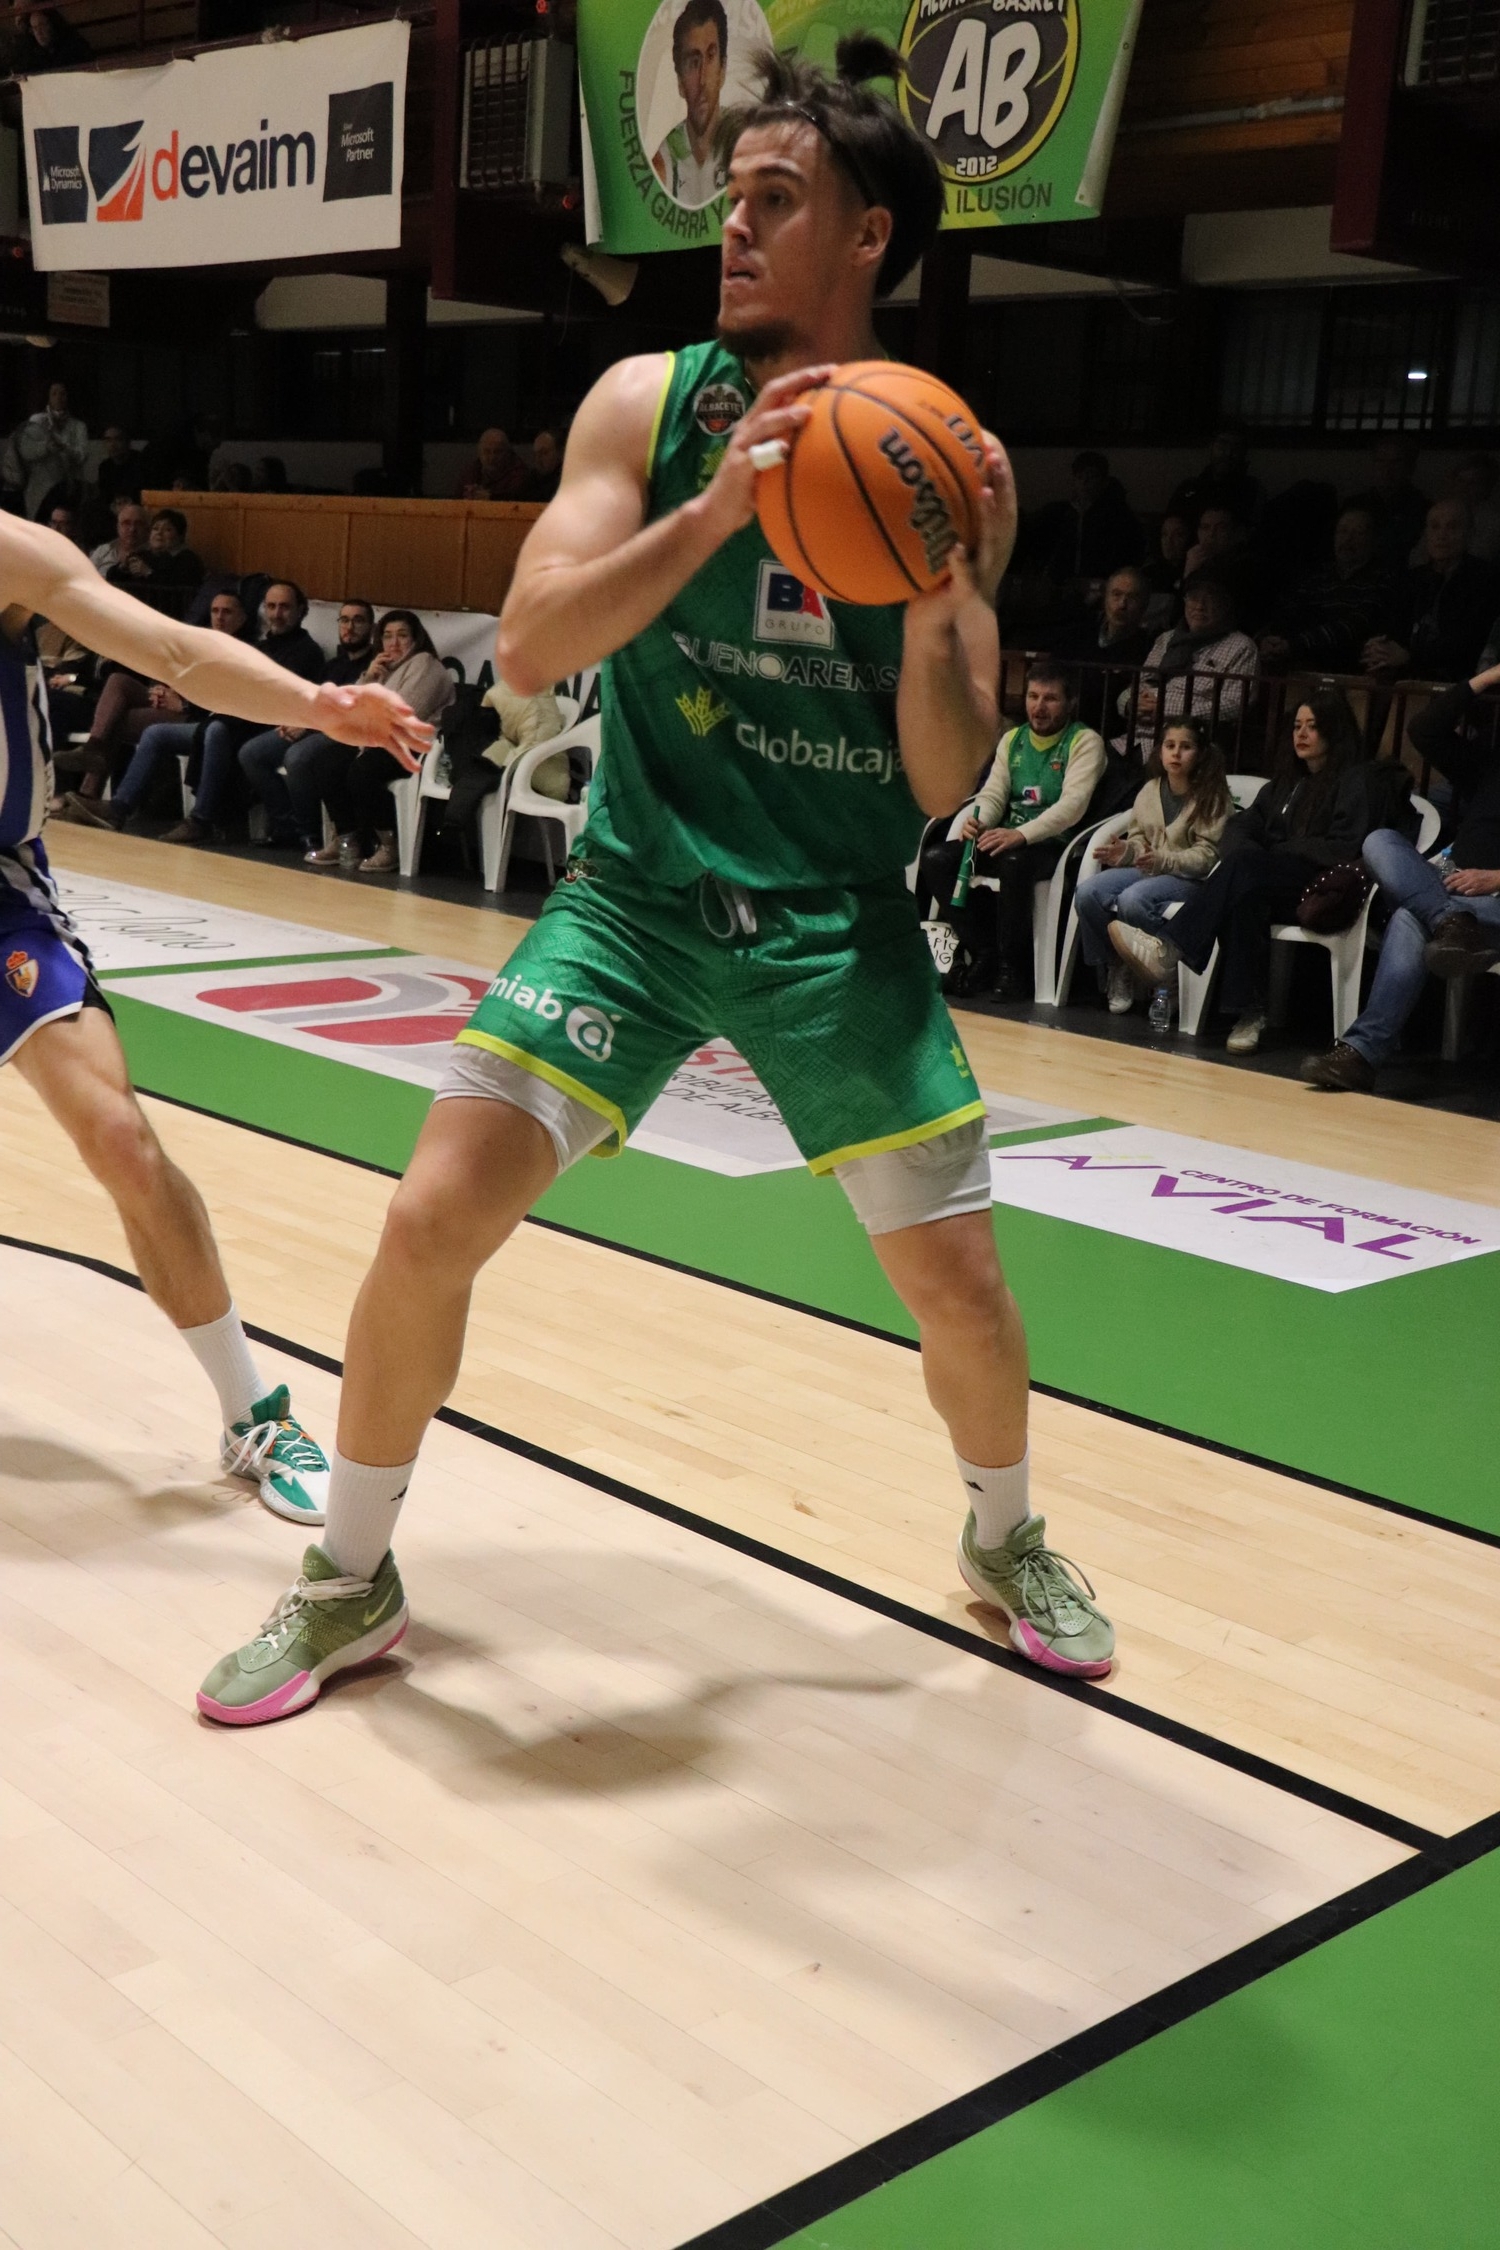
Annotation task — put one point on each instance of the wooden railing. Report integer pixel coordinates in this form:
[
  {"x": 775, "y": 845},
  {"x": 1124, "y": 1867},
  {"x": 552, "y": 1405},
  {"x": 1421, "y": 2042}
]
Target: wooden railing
[{"x": 427, "y": 554}]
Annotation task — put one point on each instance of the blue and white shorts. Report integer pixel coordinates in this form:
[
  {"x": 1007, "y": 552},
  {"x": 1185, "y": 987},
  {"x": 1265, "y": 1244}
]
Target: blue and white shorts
[{"x": 45, "y": 969}]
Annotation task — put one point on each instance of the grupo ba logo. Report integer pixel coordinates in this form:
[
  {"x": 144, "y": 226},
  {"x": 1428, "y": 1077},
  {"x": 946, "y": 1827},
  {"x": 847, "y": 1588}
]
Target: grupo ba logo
[
  {"x": 591, "y": 1031},
  {"x": 987, "y": 80},
  {"x": 117, "y": 170}
]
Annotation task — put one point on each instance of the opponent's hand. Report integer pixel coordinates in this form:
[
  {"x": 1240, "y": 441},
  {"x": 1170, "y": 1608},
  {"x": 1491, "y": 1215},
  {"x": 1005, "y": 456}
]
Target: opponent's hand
[
  {"x": 372, "y": 717},
  {"x": 729, "y": 503},
  {"x": 1472, "y": 882}
]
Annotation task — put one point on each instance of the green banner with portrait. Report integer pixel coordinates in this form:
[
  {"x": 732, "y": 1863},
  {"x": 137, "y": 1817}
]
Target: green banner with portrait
[{"x": 1018, "y": 99}]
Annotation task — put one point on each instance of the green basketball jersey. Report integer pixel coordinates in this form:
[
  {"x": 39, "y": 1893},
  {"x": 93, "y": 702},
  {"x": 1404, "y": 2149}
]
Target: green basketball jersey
[{"x": 750, "y": 731}]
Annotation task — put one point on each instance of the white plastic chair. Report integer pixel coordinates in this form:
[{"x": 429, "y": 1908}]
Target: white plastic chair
[
  {"x": 1089, "y": 864},
  {"x": 1345, "y": 948},
  {"x": 521, "y": 801},
  {"x": 417, "y": 791},
  {"x": 1193, "y": 986}
]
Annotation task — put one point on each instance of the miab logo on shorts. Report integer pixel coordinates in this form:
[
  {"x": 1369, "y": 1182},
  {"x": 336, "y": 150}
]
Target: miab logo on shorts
[{"x": 590, "y": 1030}]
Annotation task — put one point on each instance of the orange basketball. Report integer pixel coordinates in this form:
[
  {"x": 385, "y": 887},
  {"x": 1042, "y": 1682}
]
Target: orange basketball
[{"x": 878, "y": 484}]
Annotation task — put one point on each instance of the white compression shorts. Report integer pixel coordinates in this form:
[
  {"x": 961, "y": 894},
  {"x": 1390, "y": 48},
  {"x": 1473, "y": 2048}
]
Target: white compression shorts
[{"x": 897, "y": 1187}]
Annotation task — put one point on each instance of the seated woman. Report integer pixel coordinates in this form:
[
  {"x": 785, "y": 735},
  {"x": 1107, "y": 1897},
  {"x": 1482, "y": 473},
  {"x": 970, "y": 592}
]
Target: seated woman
[
  {"x": 174, "y": 732},
  {"x": 1171, "y": 844},
  {"x": 355, "y": 785},
  {"x": 1035, "y": 795},
  {"x": 1313, "y": 813}
]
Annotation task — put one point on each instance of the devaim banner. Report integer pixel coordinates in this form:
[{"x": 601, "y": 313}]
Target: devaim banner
[
  {"x": 250, "y": 153},
  {"x": 1019, "y": 101}
]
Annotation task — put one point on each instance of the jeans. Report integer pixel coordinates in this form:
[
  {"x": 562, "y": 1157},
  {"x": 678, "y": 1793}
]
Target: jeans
[
  {"x": 167, "y": 739},
  {"x": 1416, "y": 890},
  {"x": 291, "y": 798},
  {"x": 1126, "y": 895},
  {"x": 221, "y": 742}
]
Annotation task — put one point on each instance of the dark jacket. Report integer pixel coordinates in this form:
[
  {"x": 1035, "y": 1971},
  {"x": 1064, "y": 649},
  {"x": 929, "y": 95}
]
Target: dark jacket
[
  {"x": 1285, "y": 818},
  {"x": 1079, "y": 643},
  {"x": 1090, "y": 543},
  {"x": 1443, "y": 621},
  {"x": 1328, "y": 619},
  {"x": 297, "y": 651},
  {"x": 1468, "y": 755},
  {"x": 345, "y": 665}
]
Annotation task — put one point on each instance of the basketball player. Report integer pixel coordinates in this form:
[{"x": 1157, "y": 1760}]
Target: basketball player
[
  {"x": 741, "y": 873},
  {"x": 55, "y": 1024},
  {"x": 690, "y": 162}
]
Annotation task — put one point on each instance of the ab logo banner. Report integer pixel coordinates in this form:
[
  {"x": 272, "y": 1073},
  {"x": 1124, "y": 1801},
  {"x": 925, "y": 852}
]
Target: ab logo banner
[
  {"x": 1019, "y": 101},
  {"x": 221, "y": 157}
]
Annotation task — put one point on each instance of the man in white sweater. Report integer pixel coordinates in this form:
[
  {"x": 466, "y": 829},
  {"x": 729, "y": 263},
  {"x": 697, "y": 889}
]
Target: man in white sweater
[{"x": 1033, "y": 798}]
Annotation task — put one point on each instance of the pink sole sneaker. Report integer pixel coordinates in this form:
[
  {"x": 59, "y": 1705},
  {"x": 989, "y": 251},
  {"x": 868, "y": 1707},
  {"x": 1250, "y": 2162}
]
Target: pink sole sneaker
[
  {"x": 1025, "y": 1639},
  {"x": 296, "y": 1694}
]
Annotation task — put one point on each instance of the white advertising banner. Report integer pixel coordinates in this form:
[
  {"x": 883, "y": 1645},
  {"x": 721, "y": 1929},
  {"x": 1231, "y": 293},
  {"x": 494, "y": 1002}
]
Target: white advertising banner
[
  {"x": 1294, "y": 1222},
  {"x": 248, "y": 153},
  {"x": 127, "y": 928},
  {"x": 465, "y": 640}
]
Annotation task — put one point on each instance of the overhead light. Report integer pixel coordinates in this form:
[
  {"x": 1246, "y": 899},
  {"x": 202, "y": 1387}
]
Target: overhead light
[
  {"x": 614, "y": 278},
  {"x": 1416, "y": 374}
]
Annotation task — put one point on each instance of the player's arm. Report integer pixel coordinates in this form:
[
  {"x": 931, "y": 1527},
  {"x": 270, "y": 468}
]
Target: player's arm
[
  {"x": 593, "y": 573},
  {"x": 47, "y": 574},
  {"x": 948, "y": 701}
]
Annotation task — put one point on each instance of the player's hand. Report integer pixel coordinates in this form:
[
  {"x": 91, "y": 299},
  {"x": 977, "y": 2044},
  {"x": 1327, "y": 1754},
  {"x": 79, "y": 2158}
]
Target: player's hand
[
  {"x": 372, "y": 717},
  {"x": 729, "y": 503},
  {"x": 1473, "y": 882},
  {"x": 998, "y": 518}
]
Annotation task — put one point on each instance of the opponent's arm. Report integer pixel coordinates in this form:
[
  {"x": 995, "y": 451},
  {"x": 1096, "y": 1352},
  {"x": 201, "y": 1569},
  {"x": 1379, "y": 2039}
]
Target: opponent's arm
[
  {"x": 948, "y": 700},
  {"x": 42, "y": 572},
  {"x": 593, "y": 573}
]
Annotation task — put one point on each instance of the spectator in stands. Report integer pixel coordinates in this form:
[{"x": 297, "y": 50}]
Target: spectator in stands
[
  {"x": 176, "y": 571},
  {"x": 1324, "y": 624},
  {"x": 285, "y": 640},
  {"x": 1033, "y": 798},
  {"x": 357, "y": 790},
  {"x": 1082, "y": 539},
  {"x": 1441, "y": 610},
  {"x": 1398, "y": 505},
  {"x": 124, "y": 557},
  {"x": 545, "y": 473},
  {"x": 1223, "y": 546},
  {"x": 1166, "y": 570},
  {"x": 1114, "y": 634},
  {"x": 496, "y": 472},
  {"x": 1473, "y": 480},
  {"x": 64, "y": 521},
  {"x": 1313, "y": 813},
  {"x": 283, "y": 764},
  {"x": 52, "y": 447},
  {"x": 1207, "y": 645},
  {"x": 1171, "y": 844},
  {"x": 231, "y": 476},
  {"x": 174, "y": 732},
  {"x": 1224, "y": 481},
  {"x": 43, "y": 39},
  {"x": 1447, "y": 922},
  {"x": 270, "y": 474},
  {"x": 119, "y": 474}
]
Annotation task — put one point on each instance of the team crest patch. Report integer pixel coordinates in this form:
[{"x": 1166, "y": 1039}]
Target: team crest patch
[
  {"x": 717, "y": 408},
  {"x": 21, "y": 973}
]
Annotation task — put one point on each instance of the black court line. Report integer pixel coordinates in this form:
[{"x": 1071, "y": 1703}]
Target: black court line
[
  {"x": 1124, "y": 1414},
  {"x": 1283, "y": 1778},
  {"x": 823, "y": 2193}
]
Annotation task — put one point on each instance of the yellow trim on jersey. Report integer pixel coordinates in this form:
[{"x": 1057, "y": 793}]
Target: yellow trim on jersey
[
  {"x": 661, "y": 408},
  {"x": 909, "y": 1139},
  {"x": 600, "y": 1104}
]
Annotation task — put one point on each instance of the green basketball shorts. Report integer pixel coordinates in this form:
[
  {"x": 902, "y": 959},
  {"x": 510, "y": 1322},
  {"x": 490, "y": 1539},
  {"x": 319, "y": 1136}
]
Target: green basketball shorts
[{"x": 830, "y": 996}]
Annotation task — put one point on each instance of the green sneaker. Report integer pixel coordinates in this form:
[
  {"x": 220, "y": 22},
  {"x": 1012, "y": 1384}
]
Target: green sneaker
[
  {"x": 324, "y": 1624},
  {"x": 271, "y": 1449},
  {"x": 1053, "y": 1619}
]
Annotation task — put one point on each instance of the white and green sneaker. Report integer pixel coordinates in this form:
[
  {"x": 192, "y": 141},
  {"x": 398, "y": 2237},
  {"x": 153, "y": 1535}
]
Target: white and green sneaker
[
  {"x": 1053, "y": 1618},
  {"x": 324, "y": 1624},
  {"x": 272, "y": 1450}
]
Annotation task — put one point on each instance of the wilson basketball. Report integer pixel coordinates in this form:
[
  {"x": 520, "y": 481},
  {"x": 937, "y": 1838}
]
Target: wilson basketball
[{"x": 878, "y": 485}]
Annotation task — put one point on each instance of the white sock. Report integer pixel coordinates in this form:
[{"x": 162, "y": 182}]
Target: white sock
[
  {"x": 1000, "y": 1498},
  {"x": 222, "y": 1350},
  {"x": 363, "y": 1504}
]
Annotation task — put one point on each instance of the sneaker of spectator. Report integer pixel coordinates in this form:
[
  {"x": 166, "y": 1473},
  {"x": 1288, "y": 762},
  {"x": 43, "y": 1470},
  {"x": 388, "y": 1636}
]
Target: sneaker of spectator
[
  {"x": 1224, "y": 481},
  {"x": 1323, "y": 624},
  {"x": 1442, "y": 609},
  {"x": 1397, "y": 503}
]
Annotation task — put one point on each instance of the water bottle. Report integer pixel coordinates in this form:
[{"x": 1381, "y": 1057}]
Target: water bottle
[
  {"x": 1160, "y": 1017},
  {"x": 1444, "y": 862}
]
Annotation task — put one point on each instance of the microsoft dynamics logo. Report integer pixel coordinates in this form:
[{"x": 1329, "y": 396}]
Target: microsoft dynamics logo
[
  {"x": 117, "y": 170},
  {"x": 59, "y": 171}
]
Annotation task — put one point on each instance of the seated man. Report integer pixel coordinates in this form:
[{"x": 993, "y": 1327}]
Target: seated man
[
  {"x": 286, "y": 641},
  {"x": 1036, "y": 793},
  {"x": 1442, "y": 608},
  {"x": 173, "y": 730},
  {"x": 282, "y": 764},
  {"x": 1448, "y": 924},
  {"x": 1115, "y": 633},
  {"x": 176, "y": 572},
  {"x": 1324, "y": 623},
  {"x": 123, "y": 560}
]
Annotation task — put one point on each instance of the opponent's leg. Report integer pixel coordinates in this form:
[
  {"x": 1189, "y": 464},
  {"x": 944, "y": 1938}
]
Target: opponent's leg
[{"x": 77, "y": 1067}]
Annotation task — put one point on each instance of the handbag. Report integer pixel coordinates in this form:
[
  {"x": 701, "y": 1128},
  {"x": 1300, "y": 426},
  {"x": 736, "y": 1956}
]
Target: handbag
[{"x": 1334, "y": 898}]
